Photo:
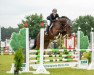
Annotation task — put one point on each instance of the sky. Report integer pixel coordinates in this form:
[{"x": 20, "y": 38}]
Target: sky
[{"x": 13, "y": 11}]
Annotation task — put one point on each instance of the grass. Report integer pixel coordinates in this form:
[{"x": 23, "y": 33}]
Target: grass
[
  {"x": 5, "y": 63},
  {"x": 7, "y": 60}
]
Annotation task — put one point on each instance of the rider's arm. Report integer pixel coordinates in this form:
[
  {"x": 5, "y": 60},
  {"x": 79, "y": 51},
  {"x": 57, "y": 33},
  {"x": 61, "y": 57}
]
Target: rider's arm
[
  {"x": 57, "y": 17},
  {"x": 49, "y": 17}
]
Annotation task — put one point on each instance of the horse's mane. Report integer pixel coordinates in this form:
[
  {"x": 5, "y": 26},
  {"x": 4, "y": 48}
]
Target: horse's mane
[
  {"x": 65, "y": 17},
  {"x": 69, "y": 20}
]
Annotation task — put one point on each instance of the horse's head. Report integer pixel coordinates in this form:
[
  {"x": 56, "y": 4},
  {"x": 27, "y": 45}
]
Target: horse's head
[
  {"x": 62, "y": 25},
  {"x": 65, "y": 26}
]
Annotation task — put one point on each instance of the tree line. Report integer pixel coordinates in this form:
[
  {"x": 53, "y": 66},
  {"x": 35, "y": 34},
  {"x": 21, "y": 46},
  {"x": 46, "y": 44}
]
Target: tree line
[{"x": 7, "y": 32}]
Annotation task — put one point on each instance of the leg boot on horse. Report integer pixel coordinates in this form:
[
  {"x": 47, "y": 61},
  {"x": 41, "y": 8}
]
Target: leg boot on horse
[{"x": 47, "y": 30}]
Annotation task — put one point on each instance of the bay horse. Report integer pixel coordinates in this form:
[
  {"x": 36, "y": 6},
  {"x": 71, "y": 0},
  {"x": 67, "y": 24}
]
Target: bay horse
[{"x": 62, "y": 26}]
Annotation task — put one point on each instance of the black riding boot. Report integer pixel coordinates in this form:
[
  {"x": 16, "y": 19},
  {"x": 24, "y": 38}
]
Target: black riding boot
[{"x": 47, "y": 30}]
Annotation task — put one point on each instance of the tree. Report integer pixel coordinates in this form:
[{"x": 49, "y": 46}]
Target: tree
[
  {"x": 6, "y": 32},
  {"x": 84, "y": 41},
  {"x": 33, "y": 24},
  {"x": 85, "y": 23},
  {"x": 18, "y": 40},
  {"x": 19, "y": 59}
]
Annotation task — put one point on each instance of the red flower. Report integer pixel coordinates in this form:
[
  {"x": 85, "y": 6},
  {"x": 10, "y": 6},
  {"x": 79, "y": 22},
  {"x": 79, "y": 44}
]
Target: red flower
[
  {"x": 26, "y": 24},
  {"x": 42, "y": 24}
]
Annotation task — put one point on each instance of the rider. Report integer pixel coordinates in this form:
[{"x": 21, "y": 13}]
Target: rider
[{"x": 53, "y": 16}]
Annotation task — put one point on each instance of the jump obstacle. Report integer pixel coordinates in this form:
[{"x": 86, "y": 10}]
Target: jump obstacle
[
  {"x": 42, "y": 70},
  {"x": 41, "y": 67}
]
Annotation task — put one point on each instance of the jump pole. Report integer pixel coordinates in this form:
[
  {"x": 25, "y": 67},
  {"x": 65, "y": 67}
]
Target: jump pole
[
  {"x": 27, "y": 50},
  {"x": 92, "y": 44},
  {"x": 41, "y": 69},
  {"x": 78, "y": 45},
  {"x": 91, "y": 66}
]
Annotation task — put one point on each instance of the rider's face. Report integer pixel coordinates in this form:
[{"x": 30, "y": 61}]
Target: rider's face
[{"x": 54, "y": 13}]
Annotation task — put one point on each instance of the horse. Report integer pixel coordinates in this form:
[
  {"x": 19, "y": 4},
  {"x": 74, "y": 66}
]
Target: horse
[{"x": 62, "y": 26}]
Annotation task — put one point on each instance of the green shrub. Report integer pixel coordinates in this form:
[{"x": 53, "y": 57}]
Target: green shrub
[
  {"x": 19, "y": 59},
  {"x": 84, "y": 41}
]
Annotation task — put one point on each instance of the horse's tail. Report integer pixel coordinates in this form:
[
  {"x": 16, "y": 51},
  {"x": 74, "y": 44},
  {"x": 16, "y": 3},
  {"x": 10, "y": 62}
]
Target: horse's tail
[{"x": 34, "y": 46}]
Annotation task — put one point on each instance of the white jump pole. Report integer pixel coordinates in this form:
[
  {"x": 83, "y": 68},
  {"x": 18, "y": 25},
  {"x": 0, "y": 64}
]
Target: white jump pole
[
  {"x": 78, "y": 37},
  {"x": 41, "y": 69},
  {"x": 92, "y": 44},
  {"x": 78, "y": 46},
  {"x": 91, "y": 66},
  {"x": 27, "y": 50}
]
